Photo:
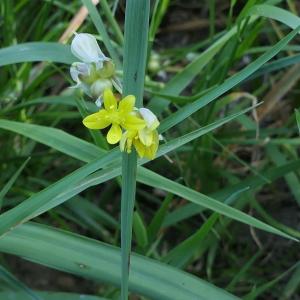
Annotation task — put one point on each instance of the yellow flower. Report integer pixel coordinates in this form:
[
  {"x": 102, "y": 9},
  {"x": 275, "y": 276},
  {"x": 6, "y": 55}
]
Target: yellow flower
[
  {"x": 146, "y": 139},
  {"x": 131, "y": 137},
  {"x": 118, "y": 115}
]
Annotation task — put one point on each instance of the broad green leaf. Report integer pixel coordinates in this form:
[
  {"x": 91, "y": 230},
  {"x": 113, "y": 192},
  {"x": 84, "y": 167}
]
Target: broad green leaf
[
  {"x": 36, "y": 51},
  {"x": 9, "y": 295},
  {"x": 55, "y": 138},
  {"x": 101, "y": 262},
  {"x": 276, "y": 13}
]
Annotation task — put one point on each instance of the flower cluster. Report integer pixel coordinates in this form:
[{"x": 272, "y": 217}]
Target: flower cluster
[
  {"x": 95, "y": 72},
  {"x": 95, "y": 75},
  {"x": 128, "y": 125}
]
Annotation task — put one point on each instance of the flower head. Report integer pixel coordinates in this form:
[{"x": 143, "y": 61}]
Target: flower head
[
  {"x": 118, "y": 115},
  {"x": 145, "y": 140},
  {"x": 95, "y": 72}
]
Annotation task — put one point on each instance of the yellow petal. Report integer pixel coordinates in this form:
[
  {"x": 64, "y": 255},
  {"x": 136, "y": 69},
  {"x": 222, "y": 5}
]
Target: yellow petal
[
  {"x": 98, "y": 120},
  {"x": 146, "y": 136},
  {"x": 139, "y": 147},
  {"x": 132, "y": 122},
  {"x": 126, "y": 105},
  {"x": 110, "y": 101},
  {"x": 114, "y": 134},
  {"x": 150, "y": 152}
]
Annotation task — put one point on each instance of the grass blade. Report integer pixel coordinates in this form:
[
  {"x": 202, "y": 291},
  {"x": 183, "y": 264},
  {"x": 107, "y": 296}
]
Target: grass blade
[
  {"x": 25, "y": 292},
  {"x": 36, "y": 51},
  {"x": 97, "y": 20},
  {"x": 56, "y": 139},
  {"x": 11, "y": 181},
  {"x": 57, "y": 193},
  {"x": 101, "y": 262},
  {"x": 135, "y": 56},
  {"x": 188, "y": 110},
  {"x": 147, "y": 177}
]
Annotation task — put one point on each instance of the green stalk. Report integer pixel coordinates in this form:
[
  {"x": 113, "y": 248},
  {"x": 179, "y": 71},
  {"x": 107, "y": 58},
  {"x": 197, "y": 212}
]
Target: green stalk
[{"x": 135, "y": 54}]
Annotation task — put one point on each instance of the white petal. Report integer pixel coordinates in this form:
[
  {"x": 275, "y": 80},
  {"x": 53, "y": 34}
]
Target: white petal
[
  {"x": 149, "y": 117},
  {"x": 85, "y": 47},
  {"x": 79, "y": 68}
]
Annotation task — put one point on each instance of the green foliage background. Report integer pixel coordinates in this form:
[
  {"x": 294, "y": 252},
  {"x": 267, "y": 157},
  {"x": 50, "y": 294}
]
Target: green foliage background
[{"x": 216, "y": 213}]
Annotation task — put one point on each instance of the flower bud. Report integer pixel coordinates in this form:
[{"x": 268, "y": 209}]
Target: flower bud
[
  {"x": 85, "y": 47},
  {"x": 154, "y": 62},
  {"x": 107, "y": 70},
  {"x": 98, "y": 87}
]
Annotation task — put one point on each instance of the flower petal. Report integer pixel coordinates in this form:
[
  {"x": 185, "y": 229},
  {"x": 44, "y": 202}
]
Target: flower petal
[
  {"x": 132, "y": 122},
  {"x": 114, "y": 134},
  {"x": 85, "y": 47},
  {"x": 146, "y": 136},
  {"x": 140, "y": 148},
  {"x": 78, "y": 68},
  {"x": 149, "y": 117},
  {"x": 110, "y": 101},
  {"x": 126, "y": 142},
  {"x": 150, "y": 152},
  {"x": 126, "y": 105},
  {"x": 98, "y": 120}
]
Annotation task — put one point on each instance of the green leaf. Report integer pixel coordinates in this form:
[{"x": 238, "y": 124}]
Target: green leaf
[
  {"x": 9, "y": 295},
  {"x": 36, "y": 51},
  {"x": 53, "y": 195},
  {"x": 101, "y": 262},
  {"x": 135, "y": 56},
  {"x": 252, "y": 182},
  {"x": 186, "y": 111},
  {"x": 257, "y": 291},
  {"x": 73, "y": 184},
  {"x": 180, "y": 81},
  {"x": 297, "y": 113},
  {"x": 24, "y": 292},
  {"x": 139, "y": 230},
  {"x": 159, "y": 218},
  {"x": 11, "y": 181},
  {"x": 55, "y": 138},
  {"x": 152, "y": 179},
  {"x": 97, "y": 20},
  {"x": 181, "y": 254},
  {"x": 276, "y": 13}
]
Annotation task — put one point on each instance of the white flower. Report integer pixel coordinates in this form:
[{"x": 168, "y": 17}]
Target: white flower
[
  {"x": 95, "y": 72},
  {"x": 149, "y": 117},
  {"x": 85, "y": 47},
  {"x": 79, "y": 68}
]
